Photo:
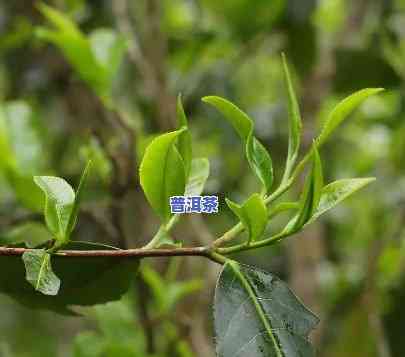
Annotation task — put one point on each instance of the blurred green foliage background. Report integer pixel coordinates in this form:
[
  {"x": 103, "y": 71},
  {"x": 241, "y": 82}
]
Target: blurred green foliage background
[{"x": 105, "y": 90}]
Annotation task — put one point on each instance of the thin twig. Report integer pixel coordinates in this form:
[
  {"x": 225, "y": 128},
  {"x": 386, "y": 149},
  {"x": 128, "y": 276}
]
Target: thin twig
[{"x": 125, "y": 253}]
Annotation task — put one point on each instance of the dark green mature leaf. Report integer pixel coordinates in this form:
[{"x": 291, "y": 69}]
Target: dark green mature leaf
[
  {"x": 59, "y": 201},
  {"x": 184, "y": 141},
  {"x": 256, "y": 154},
  {"x": 295, "y": 123},
  {"x": 253, "y": 215},
  {"x": 78, "y": 197},
  {"x": 342, "y": 110},
  {"x": 31, "y": 234},
  {"x": 84, "y": 281},
  {"x": 200, "y": 170},
  {"x": 335, "y": 192},
  {"x": 162, "y": 173},
  {"x": 39, "y": 272},
  {"x": 257, "y": 315}
]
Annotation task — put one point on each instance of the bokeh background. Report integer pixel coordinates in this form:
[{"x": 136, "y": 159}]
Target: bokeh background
[{"x": 57, "y": 109}]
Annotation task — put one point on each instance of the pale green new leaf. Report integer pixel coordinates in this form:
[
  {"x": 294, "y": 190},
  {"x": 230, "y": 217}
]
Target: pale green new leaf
[
  {"x": 39, "y": 272},
  {"x": 76, "y": 48},
  {"x": 311, "y": 194},
  {"x": 337, "y": 191},
  {"x": 184, "y": 141},
  {"x": 78, "y": 196},
  {"x": 343, "y": 110},
  {"x": 295, "y": 123},
  {"x": 59, "y": 200},
  {"x": 253, "y": 215},
  {"x": 200, "y": 170},
  {"x": 8, "y": 158},
  {"x": 256, "y": 154},
  {"x": 162, "y": 173},
  {"x": 236, "y": 117},
  {"x": 21, "y": 152},
  {"x": 108, "y": 48}
]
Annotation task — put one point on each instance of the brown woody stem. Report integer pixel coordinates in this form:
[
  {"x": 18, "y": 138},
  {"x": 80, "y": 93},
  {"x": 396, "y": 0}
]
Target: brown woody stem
[{"x": 127, "y": 253}]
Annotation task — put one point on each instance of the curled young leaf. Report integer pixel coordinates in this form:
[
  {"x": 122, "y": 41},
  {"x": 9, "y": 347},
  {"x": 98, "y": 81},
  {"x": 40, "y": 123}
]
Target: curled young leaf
[
  {"x": 343, "y": 110},
  {"x": 295, "y": 124},
  {"x": 260, "y": 161},
  {"x": 39, "y": 272},
  {"x": 257, "y": 315},
  {"x": 78, "y": 197},
  {"x": 184, "y": 141},
  {"x": 311, "y": 193},
  {"x": 258, "y": 157},
  {"x": 59, "y": 200},
  {"x": 253, "y": 215},
  {"x": 162, "y": 173}
]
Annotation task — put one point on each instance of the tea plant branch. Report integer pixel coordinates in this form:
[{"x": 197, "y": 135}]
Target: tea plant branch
[
  {"x": 125, "y": 253},
  {"x": 262, "y": 243}
]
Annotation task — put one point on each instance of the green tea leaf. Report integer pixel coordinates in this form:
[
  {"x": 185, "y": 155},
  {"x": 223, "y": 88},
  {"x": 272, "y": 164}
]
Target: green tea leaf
[
  {"x": 311, "y": 194},
  {"x": 253, "y": 215},
  {"x": 8, "y": 158},
  {"x": 78, "y": 196},
  {"x": 295, "y": 123},
  {"x": 21, "y": 152},
  {"x": 74, "y": 45},
  {"x": 39, "y": 272},
  {"x": 335, "y": 192},
  {"x": 84, "y": 281},
  {"x": 236, "y": 117},
  {"x": 59, "y": 201},
  {"x": 257, "y": 315},
  {"x": 108, "y": 48},
  {"x": 162, "y": 173},
  {"x": 260, "y": 162},
  {"x": 184, "y": 141},
  {"x": 31, "y": 234},
  {"x": 343, "y": 110},
  {"x": 200, "y": 170},
  {"x": 256, "y": 154}
]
